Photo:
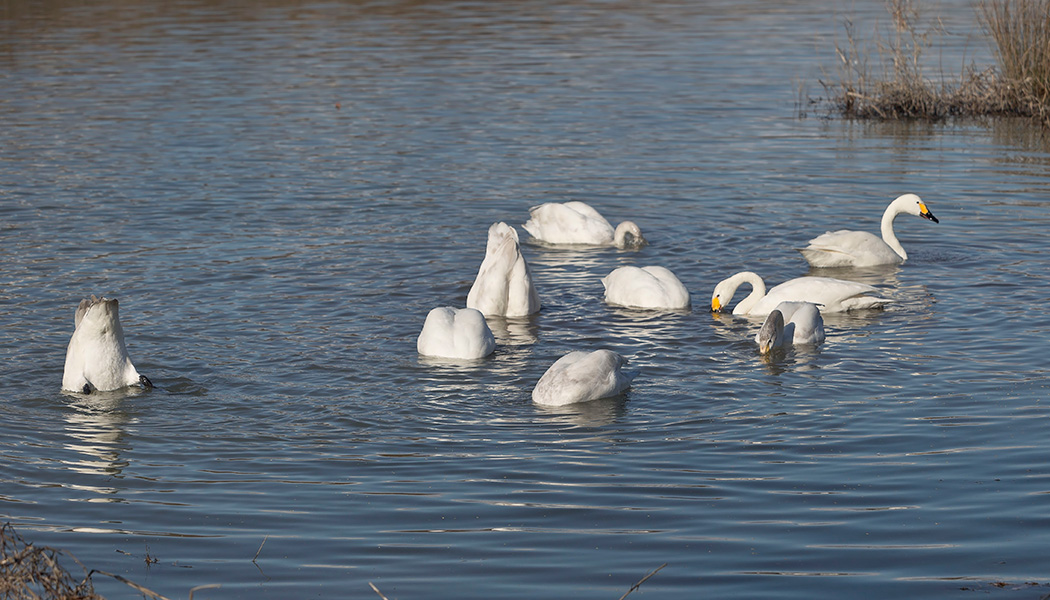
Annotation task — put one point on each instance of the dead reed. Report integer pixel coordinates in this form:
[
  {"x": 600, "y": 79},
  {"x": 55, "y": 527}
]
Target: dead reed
[
  {"x": 27, "y": 571},
  {"x": 902, "y": 89}
]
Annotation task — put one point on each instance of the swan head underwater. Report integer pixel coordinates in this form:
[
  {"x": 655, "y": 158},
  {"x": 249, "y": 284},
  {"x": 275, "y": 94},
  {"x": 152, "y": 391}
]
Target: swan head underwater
[{"x": 96, "y": 358}]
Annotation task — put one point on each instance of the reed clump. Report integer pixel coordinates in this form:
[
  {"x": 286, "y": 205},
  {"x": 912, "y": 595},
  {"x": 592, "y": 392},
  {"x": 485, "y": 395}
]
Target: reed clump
[
  {"x": 28, "y": 571},
  {"x": 1018, "y": 86}
]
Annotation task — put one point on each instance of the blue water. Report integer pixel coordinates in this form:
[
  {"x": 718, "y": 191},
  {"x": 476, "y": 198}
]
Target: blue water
[{"x": 279, "y": 193}]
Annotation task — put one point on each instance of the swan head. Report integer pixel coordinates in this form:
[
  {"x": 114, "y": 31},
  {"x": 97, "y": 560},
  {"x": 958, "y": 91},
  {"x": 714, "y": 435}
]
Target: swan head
[
  {"x": 913, "y": 205},
  {"x": 772, "y": 330},
  {"x": 628, "y": 235},
  {"x": 726, "y": 289}
]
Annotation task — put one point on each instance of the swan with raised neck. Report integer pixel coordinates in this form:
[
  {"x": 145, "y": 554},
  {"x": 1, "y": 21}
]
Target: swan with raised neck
[{"x": 862, "y": 249}]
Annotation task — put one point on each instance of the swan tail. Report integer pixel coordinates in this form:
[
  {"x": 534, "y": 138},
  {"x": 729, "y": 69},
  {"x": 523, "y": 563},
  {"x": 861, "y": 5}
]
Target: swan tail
[{"x": 865, "y": 302}]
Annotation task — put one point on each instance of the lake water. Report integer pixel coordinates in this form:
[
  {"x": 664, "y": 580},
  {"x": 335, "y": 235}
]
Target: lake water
[{"x": 279, "y": 192}]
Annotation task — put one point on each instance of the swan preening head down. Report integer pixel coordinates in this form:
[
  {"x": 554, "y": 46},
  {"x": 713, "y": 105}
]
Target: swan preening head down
[
  {"x": 96, "y": 358},
  {"x": 578, "y": 223},
  {"x": 833, "y": 295},
  {"x": 847, "y": 248}
]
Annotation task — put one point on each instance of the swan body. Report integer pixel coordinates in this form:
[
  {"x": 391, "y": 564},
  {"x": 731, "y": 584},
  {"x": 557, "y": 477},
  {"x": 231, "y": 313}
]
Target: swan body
[
  {"x": 847, "y": 248},
  {"x": 96, "y": 358},
  {"x": 456, "y": 333},
  {"x": 582, "y": 376},
  {"x": 578, "y": 223},
  {"x": 833, "y": 295},
  {"x": 790, "y": 323},
  {"x": 503, "y": 286},
  {"x": 646, "y": 287}
]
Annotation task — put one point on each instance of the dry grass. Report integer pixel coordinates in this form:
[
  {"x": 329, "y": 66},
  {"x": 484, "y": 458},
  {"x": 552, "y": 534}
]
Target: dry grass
[
  {"x": 1020, "y": 86},
  {"x": 29, "y": 572}
]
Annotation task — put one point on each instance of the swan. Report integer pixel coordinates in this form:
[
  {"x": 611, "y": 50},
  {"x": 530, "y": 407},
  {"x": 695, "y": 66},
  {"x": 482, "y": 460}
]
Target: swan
[
  {"x": 96, "y": 358},
  {"x": 646, "y": 287},
  {"x": 578, "y": 223},
  {"x": 790, "y": 323},
  {"x": 503, "y": 286},
  {"x": 847, "y": 248},
  {"x": 456, "y": 333},
  {"x": 582, "y": 376},
  {"x": 834, "y": 295}
]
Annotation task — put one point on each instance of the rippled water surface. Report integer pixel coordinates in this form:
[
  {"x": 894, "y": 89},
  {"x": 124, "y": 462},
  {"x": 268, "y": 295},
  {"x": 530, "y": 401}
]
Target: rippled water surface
[{"x": 278, "y": 194}]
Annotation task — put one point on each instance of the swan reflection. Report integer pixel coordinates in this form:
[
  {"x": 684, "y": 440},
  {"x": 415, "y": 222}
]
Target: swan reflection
[
  {"x": 96, "y": 426},
  {"x": 596, "y": 413}
]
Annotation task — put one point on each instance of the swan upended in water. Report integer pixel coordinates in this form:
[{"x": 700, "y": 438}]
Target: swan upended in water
[
  {"x": 96, "y": 357},
  {"x": 582, "y": 376},
  {"x": 790, "y": 323},
  {"x": 646, "y": 287},
  {"x": 503, "y": 286},
  {"x": 456, "y": 333},
  {"x": 846, "y": 248},
  {"x": 578, "y": 223},
  {"x": 833, "y": 295}
]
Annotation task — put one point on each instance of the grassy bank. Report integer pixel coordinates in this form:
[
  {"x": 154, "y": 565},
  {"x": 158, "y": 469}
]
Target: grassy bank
[{"x": 898, "y": 86}]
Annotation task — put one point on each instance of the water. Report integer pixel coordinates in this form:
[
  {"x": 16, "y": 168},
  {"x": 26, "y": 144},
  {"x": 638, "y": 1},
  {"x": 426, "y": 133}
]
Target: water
[{"x": 279, "y": 193}]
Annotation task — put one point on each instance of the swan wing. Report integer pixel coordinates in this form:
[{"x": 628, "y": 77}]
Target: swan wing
[
  {"x": 847, "y": 248},
  {"x": 568, "y": 223},
  {"x": 581, "y": 377},
  {"x": 647, "y": 287},
  {"x": 833, "y": 295}
]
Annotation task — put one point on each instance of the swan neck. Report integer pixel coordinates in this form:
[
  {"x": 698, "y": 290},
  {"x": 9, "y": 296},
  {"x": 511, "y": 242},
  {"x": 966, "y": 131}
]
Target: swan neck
[
  {"x": 628, "y": 234},
  {"x": 758, "y": 290},
  {"x": 888, "y": 234}
]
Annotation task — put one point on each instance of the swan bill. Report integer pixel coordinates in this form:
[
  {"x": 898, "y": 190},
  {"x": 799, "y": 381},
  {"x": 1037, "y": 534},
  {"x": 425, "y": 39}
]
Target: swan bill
[{"x": 925, "y": 213}]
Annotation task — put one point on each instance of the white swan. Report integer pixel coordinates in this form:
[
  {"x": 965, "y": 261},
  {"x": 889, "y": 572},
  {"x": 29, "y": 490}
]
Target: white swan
[
  {"x": 96, "y": 358},
  {"x": 577, "y": 223},
  {"x": 790, "y": 323},
  {"x": 847, "y": 248},
  {"x": 833, "y": 295},
  {"x": 646, "y": 287},
  {"x": 503, "y": 286},
  {"x": 456, "y": 333},
  {"x": 582, "y": 376}
]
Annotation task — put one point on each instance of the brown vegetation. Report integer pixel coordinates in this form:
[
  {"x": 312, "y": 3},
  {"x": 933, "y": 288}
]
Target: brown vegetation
[
  {"x": 1019, "y": 86},
  {"x": 27, "y": 571}
]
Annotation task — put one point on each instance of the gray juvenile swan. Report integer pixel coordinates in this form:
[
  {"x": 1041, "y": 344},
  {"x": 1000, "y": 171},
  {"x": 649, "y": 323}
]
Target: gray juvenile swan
[
  {"x": 96, "y": 358},
  {"x": 790, "y": 323}
]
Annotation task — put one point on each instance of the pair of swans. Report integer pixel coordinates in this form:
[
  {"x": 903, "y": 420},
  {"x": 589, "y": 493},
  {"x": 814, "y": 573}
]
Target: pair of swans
[{"x": 502, "y": 288}]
